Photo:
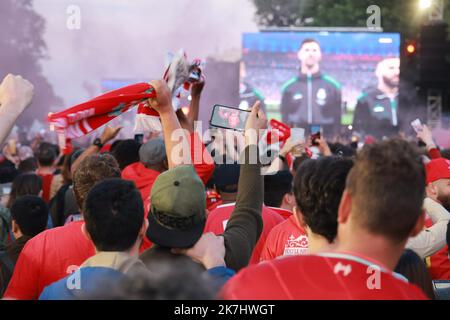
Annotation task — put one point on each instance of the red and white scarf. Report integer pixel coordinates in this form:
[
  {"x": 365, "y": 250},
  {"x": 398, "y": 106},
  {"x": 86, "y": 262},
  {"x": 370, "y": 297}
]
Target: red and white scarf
[{"x": 86, "y": 117}]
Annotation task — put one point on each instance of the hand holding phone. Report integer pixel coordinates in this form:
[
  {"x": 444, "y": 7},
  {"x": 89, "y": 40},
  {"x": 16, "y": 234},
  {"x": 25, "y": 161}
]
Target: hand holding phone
[
  {"x": 417, "y": 125},
  {"x": 297, "y": 137}
]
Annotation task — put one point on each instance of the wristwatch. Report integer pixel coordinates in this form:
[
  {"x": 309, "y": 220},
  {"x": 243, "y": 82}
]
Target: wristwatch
[{"x": 98, "y": 143}]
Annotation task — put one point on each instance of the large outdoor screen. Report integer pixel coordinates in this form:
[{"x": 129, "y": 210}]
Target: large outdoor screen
[{"x": 336, "y": 68}]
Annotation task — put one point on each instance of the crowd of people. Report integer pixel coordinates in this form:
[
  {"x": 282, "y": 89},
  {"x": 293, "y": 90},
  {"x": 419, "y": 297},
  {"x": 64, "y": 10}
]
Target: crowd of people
[{"x": 128, "y": 219}]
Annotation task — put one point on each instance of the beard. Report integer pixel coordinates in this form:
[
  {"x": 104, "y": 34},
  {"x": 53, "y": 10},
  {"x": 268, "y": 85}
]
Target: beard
[
  {"x": 445, "y": 201},
  {"x": 390, "y": 82}
]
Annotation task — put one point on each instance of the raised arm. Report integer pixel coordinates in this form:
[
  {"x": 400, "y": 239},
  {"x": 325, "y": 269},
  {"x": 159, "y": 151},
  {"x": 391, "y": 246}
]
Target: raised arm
[
  {"x": 16, "y": 94},
  {"x": 426, "y": 136},
  {"x": 245, "y": 225},
  {"x": 108, "y": 134},
  {"x": 170, "y": 124}
]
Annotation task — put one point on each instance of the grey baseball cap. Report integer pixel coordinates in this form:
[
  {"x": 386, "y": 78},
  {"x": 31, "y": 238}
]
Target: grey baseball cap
[{"x": 152, "y": 152}]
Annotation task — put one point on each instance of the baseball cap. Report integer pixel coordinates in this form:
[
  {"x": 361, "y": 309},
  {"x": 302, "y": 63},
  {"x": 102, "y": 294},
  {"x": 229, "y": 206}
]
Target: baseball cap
[
  {"x": 152, "y": 152},
  {"x": 178, "y": 203},
  {"x": 438, "y": 169}
]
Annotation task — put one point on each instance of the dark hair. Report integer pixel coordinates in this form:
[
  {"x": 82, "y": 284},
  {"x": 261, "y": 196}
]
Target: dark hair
[
  {"x": 414, "y": 269},
  {"x": 226, "y": 177},
  {"x": 309, "y": 40},
  {"x": 56, "y": 149},
  {"x": 298, "y": 161},
  {"x": 126, "y": 153},
  {"x": 46, "y": 154},
  {"x": 67, "y": 165},
  {"x": 92, "y": 170},
  {"x": 341, "y": 150},
  {"x": 114, "y": 145},
  {"x": 387, "y": 187},
  {"x": 28, "y": 165},
  {"x": 31, "y": 214},
  {"x": 25, "y": 184},
  {"x": 275, "y": 188},
  {"x": 61, "y": 160},
  {"x": 318, "y": 188},
  {"x": 113, "y": 213}
]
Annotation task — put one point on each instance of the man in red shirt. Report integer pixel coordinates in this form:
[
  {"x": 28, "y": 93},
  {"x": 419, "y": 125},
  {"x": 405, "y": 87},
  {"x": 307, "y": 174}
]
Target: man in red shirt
[
  {"x": 386, "y": 184},
  {"x": 55, "y": 253},
  {"x": 278, "y": 194},
  {"x": 320, "y": 184},
  {"x": 438, "y": 189},
  {"x": 46, "y": 157},
  {"x": 226, "y": 177}
]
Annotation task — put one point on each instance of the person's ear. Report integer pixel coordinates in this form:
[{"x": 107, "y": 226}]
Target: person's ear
[
  {"x": 432, "y": 191},
  {"x": 289, "y": 200},
  {"x": 85, "y": 232},
  {"x": 419, "y": 225},
  {"x": 15, "y": 226},
  {"x": 345, "y": 208}
]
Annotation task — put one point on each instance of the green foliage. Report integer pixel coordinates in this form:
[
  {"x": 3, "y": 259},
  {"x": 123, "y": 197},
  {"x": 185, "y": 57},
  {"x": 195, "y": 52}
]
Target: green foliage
[
  {"x": 401, "y": 16},
  {"x": 22, "y": 47}
]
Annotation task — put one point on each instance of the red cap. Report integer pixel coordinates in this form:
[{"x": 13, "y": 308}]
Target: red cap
[{"x": 438, "y": 169}]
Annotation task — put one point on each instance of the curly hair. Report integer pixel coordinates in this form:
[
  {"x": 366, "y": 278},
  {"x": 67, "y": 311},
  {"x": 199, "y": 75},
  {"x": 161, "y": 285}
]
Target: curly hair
[
  {"x": 318, "y": 188},
  {"x": 92, "y": 170}
]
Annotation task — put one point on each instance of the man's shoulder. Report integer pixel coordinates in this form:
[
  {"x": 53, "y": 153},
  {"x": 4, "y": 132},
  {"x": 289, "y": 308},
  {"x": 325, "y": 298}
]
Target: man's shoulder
[
  {"x": 318, "y": 277},
  {"x": 83, "y": 281},
  {"x": 288, "y": 84},
  {"x": 287, "y": 226},
  {"x": 270, "y": 215},
  {"x": 266, "y": 279},
  {"x": 369, "y": 93},
  {"x": 222, "y": 211},
  {"x": 332, "y": 81},
  {"x": 51, "y": 237}
]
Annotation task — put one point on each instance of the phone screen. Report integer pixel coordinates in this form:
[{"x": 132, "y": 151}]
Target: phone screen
[
  {"x": 139, "y": 138},
  {"x": 229, "y": 118},
  {"x": 316, "y": 133}
]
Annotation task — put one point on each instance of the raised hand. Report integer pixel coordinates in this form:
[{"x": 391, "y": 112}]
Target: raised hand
[{"x": 16, "y": 93}]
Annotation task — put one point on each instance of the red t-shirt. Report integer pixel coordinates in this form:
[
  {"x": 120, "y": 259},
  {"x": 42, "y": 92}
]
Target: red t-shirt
[
  {"x": 46, "y": 186},
  {"x": 439, "y": 263},
  {"x": 46, "y": 258},
  {"x": 334, "y": 276},
  {"x": 285, "y": 239},
  {"x": 218, "y": 218},
  {"x": 286, "y": 214}
]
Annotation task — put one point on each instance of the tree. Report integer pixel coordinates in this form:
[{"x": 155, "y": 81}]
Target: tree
[
  {"x": 22, "y": 48},
  {"x": 401, "y": 16}
]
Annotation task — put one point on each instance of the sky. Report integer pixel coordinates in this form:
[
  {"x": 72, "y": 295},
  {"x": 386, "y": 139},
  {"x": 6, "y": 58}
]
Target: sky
[{"x": 121, "y": 39}]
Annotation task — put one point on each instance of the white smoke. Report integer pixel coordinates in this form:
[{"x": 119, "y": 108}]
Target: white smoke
[{"x": 122, "y": 39}]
